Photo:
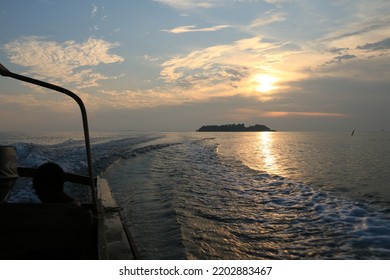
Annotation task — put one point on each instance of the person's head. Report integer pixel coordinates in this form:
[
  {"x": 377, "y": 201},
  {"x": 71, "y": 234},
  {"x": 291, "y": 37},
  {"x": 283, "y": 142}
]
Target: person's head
[{"x": 48, "y": 181}]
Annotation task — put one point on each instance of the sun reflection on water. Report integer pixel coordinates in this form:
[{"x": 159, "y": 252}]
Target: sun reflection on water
[{"x": 266, "y": 155}]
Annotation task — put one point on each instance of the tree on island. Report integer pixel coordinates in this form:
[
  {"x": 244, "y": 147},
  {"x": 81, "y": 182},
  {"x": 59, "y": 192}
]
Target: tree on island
[{"x": 233, "y": 128}]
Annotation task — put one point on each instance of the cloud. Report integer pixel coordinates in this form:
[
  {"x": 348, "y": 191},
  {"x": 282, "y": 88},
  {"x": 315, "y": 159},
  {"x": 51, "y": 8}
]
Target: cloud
[
  {"x": 150, "y": 58},
  {"x": 268, "y": 18},
  {"x": 278, "y": 1},
  {"x": 231, "y": 69},
  {"x": 192, "y": 28},
  {"x": 380, "y": 45},
  {"x": 338, "y": 53},
  {"x": 250, "y": 110},
  {"x": 136, "y": 99},
  {"x": 68, "y": 62},
  {"x": 240, "y": 53},
  {"x": 340, "y": 59},
  {"x": 189, "y": 4},
  {"x": 364, "y": 29},
  {"x": 303, "y": 114},
  {"x": 361, "y": 47},
  {"x": 338, "y": 50},
  {"x": 219, "y": 81},
  {"x": 94, "y": 10},
  {"x": 344, "y": 57}
]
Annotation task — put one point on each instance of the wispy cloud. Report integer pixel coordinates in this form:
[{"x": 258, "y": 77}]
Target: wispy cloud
[
  {"x": 249, "y": 112},
  {"x": 94, "y": 10},
  {"x": 136, "y": 99},
  {"x": 340, "y": 59},
  {"x": 268, "y": 18},
  {"x": 358, "y": 47},
  {"x": 68, "y": 62},
  {"x": 278, "y": 1},
  {"x": 280, "y": 114},
  {"x": 150, "y": 58},
  {"x": 189, "y": 4},
  {"x": 380, "y": 45},
  {"x": 361, "y": 29},
  {"x": 240, "y": 53},
  {"x": 192, "y": 28}
]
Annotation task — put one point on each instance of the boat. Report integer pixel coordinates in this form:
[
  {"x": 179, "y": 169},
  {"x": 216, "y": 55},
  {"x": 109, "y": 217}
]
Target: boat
[{"x": 46, "y": 231}]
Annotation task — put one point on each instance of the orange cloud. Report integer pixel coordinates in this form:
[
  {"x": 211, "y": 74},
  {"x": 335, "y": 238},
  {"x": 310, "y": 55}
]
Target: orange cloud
[{"x": 302, "y": 114}]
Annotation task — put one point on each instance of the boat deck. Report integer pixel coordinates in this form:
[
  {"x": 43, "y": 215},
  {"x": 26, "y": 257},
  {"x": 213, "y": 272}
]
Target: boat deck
[{"x": 62, "y": 231}]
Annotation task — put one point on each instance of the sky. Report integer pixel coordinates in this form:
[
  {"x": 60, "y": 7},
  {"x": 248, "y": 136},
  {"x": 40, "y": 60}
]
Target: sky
[{"x": 170, "y": 65}]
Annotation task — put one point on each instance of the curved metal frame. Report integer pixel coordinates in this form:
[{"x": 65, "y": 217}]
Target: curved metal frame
[{"x": 5, "y": 72}]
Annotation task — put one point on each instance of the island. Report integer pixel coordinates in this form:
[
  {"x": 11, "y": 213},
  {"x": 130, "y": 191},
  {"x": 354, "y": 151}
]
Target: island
[{"x": 233, "y": 128}]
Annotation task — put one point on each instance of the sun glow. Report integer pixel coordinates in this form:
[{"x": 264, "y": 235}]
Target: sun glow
[{"x": 265, "y": 83}]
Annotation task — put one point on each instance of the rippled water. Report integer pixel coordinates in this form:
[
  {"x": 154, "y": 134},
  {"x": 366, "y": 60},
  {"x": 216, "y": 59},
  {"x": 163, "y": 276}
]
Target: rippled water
[
  {"x": 358, "y": 165},
  {"x": 244, "y": 196},
  {"x": 241, "y": 195}
]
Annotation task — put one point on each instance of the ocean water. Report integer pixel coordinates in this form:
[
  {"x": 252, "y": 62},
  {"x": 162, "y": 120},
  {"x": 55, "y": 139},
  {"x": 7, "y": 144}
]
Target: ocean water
[{"x": 268, "y": 195}]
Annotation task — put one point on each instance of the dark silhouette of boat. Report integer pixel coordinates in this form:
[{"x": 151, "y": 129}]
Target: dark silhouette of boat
[{"x": 61, "y": 231}]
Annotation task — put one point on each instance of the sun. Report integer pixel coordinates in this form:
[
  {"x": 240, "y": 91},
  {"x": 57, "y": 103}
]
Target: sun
[{"x": 265, "y": 83}]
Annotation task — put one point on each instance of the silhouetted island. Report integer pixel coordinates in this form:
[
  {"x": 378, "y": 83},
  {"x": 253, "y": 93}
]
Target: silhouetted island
[{"x": 233, "y": 128}]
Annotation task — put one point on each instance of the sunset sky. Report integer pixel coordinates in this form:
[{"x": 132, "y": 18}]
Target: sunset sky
[{"x": 175, "y": 65}]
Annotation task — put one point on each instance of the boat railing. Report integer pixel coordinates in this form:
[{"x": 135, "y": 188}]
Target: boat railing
[
  {"x": 5, "y": 72},
  {"x": 113, "y": 238}
]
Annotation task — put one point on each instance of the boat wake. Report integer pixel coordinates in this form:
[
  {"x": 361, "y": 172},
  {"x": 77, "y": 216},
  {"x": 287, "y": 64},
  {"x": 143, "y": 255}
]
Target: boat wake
[{"x": 183, "y": 199}]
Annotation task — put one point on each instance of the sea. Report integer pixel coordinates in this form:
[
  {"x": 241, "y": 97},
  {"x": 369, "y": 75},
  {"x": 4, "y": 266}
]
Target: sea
[{"x": 233, "y": 195}]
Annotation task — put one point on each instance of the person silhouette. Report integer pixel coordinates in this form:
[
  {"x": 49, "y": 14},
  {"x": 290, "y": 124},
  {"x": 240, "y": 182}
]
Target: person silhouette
[{"x": 48, "y": 182}]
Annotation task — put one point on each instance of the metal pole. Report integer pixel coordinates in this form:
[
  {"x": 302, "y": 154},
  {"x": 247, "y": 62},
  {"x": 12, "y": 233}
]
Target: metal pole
[{"x": 5, "y": 72}]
